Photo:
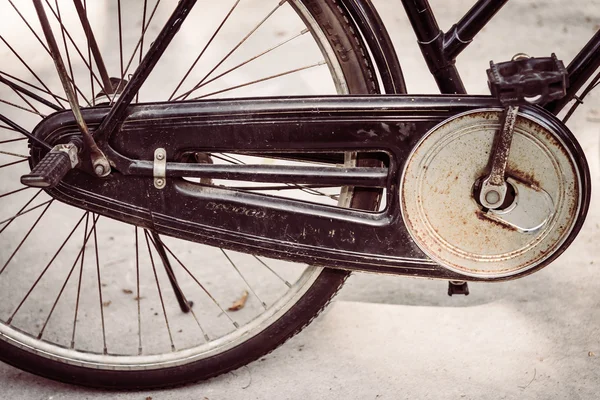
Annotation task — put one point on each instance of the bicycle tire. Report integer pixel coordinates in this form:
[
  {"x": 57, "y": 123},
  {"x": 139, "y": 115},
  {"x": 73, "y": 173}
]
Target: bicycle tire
[{"x": 361, "y": 78}]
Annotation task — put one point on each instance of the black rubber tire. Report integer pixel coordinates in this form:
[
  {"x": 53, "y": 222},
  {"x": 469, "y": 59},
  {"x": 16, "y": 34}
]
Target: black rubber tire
[{"x": 360, "y": 76}]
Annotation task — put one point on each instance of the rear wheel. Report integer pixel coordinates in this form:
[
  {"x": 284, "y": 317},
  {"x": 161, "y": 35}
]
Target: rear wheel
[{"x": 88, "y": 300}]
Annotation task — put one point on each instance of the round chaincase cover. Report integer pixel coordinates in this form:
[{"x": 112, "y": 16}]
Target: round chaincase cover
[{"x": 439, "y": 191}]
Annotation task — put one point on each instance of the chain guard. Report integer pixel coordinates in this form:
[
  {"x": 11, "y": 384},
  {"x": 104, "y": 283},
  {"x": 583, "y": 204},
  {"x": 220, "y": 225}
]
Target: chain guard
[{"x": 270, "y": 226}]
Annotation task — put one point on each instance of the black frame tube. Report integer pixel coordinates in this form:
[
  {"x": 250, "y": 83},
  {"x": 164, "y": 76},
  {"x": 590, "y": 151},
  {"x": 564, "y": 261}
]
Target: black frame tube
[
  {"x": 91, "y": 39},
  {"x": 431, "y": 41},
  {"x": 581, "y": 68},
  {"x": 117, "y": 113},
  {"x": 462, "y": 33}
]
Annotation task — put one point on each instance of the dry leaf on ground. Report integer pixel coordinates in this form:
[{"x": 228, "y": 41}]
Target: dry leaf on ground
[{"x": 239, "y": 303}]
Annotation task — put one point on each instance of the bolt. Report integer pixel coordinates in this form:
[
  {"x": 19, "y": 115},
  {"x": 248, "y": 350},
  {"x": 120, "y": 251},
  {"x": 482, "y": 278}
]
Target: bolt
[
  {"x": 160, "y": 156},
  {"x": 99, "y": 170},
  {"x": 521, "y": 56},
  {"x": 492, "y": 197}
]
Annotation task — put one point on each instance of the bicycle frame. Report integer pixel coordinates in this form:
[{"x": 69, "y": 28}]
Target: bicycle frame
[{"x": 439, "y": 50}]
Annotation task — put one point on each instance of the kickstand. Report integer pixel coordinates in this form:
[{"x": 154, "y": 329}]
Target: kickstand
[{"x": 184, "y": 304}]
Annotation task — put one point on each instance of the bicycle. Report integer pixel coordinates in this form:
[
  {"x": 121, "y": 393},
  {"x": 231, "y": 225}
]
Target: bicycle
[{"x": 189, "y": 185}]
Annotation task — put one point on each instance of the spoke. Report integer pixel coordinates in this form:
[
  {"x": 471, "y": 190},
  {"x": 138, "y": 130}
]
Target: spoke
[
  {"x": 90, "y": 57},
  {"x": 21, "y": 107},
  {"x": 39, "y": 278},
  {"x": 139, "y": 45},
  {"x": 274, "y": 273},
  {"x": 159, "y": 291},
  {"x": 12, "y": 163},
  {"x": 11, "y": 140},
  {"x": 21, "y": 90},
  {"x": 243, "y": 278},
  {"x": 138, "y": 298},
  {"x": 183, "y": 303},
  {"x": 116, "y": 114},
  {"x": 93, "y": 45},
  {"x": 204, "y": 49},
  {"x": 8, "y": 128},
  {"x": 87, "y": 219},
  {"x": 31, "y": 29},
  {"x": 310, "y": 189},
  {"x": 120, "y": 37},
  {"x": 13, "y": 154},
  {"x": 37, "y": 88},
  {"x": 31, "y": 106},
  {"x": 289, "y": 186},
  {"x": 62, "y": 289},
  {"x": 30, "y": 70},
  {"x": 11, "y": 219},
  {"x": 94, "y": 230},
  {"x": 235, "y": 324},
  {"x": 227, "y": 158},
  {"x": 237, "y": 46},
  {"x": 20, "y": 211},
  {"x": 62, "y": 29},
  {"x": 65, "y": 31},
  {"x": 137, "y": 96},
  {"x": 13, "y": 192},
  {"x": 18, "y": 92},
  {"x": 22, "y": 130},
  {"x": 29, "y": 26},
  {"x": 26, "y": 236},
  {"x": 253, "y": 58},
  {"x": 262, "y": 79}
]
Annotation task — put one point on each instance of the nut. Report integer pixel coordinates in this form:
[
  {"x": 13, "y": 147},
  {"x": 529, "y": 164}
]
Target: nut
[{"x": 99, "y": 169}]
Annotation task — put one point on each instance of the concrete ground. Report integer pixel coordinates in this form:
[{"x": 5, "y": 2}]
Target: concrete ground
[{"x": 388, "y": 337}]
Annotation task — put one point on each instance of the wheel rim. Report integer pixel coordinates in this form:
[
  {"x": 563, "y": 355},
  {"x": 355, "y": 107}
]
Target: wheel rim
[{"x": 20, "y": 326}]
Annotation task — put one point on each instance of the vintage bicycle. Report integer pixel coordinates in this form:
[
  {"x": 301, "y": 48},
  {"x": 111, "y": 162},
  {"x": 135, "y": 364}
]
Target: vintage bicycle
[{"x": 163, "y": 223}]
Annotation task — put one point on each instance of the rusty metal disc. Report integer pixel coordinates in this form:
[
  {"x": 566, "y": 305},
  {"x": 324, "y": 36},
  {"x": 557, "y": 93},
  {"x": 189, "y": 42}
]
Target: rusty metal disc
[{"x": 450, "y": 226}]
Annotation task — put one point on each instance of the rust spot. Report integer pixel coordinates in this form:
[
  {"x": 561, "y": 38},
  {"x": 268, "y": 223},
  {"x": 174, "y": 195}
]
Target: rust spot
[
  {"x": 482, "y": 216},
  {"x": 526, "y": 178}
]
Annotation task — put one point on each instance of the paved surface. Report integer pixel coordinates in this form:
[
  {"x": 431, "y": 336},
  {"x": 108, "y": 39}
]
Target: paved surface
[{"x": 536, "y": 338}]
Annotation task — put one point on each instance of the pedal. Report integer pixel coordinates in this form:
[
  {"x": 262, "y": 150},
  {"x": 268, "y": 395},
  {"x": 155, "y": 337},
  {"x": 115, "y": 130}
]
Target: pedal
[
  {"x": 53, "y": 167},
  {"x": 458, "y": 288},
  {"x": 528, "y": 80}
]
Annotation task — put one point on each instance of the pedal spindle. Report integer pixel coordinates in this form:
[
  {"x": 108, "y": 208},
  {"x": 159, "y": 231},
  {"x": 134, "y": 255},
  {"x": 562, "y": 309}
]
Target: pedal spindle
[
  {"x": 53, "y": 167},
  {"x": 528, "y": 80}
]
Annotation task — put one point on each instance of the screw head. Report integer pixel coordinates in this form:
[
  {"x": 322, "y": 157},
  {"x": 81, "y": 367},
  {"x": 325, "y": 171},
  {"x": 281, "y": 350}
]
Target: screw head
[
  {"x": 492, "y": 197},
  {"x": 160, "y": 182},
  {"x": 160, "y": 156}
]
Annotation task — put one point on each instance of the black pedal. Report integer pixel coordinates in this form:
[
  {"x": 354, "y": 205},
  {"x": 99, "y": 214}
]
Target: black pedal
[
  {"x": 528, "y": 80},
  {"x": 52, "y": 168},
  {"x": 458, "y": 288}
]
